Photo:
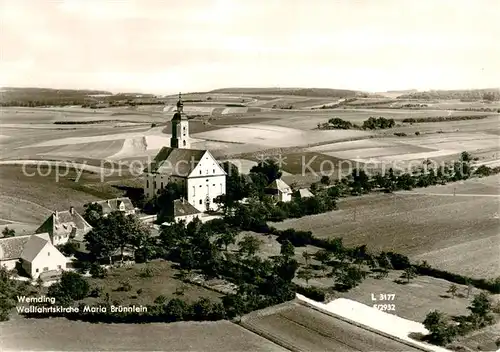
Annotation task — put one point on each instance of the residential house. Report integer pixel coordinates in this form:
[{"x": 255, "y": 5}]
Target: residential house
[
  {"x": 280, "y": 191},
  {"x": 40, "y": 256},
  {"x": 35, "y": 253},
  {"x": 197, "y": 171},
  {"x": 123, "y": 204},
  {"x": 184, "y": 211},
  {"x": 63, "y": 226}
]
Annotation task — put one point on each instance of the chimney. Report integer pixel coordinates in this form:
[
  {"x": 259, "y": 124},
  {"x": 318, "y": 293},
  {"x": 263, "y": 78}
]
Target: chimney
[
  {"x": 72, "y": 210},
  {"x": 182, "y": 200}
]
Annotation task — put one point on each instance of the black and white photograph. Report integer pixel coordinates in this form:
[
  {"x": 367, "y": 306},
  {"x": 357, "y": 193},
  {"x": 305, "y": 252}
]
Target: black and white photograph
[{"x": 250, "y": 175}]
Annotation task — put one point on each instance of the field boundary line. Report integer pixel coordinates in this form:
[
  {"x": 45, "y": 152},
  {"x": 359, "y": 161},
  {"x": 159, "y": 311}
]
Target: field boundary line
[{"x": 366, "y": 327}]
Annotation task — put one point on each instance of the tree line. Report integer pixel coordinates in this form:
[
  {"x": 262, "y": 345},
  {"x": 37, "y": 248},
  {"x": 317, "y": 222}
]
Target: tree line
[{"x": 372, "y": 123}]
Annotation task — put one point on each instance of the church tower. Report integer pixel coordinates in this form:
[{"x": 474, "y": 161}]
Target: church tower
[{"x": 180, "y": 128}]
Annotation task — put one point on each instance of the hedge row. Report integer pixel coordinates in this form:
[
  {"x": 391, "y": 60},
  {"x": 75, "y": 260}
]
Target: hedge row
[{"x": 444, "y": 118}]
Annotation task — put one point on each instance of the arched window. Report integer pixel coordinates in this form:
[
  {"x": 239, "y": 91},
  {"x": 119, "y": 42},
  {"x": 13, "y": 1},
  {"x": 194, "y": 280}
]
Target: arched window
[
  {"x": 184, "y": 143},
  {"x": 147, "y": 183}
]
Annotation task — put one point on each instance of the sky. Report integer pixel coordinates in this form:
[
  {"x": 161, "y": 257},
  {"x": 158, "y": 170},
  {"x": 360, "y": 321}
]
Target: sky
[{"x": 166, "y": 46}]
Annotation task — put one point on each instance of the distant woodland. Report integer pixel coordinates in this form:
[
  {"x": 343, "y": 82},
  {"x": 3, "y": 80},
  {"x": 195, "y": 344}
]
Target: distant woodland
[{"x": 463, "y": 95}]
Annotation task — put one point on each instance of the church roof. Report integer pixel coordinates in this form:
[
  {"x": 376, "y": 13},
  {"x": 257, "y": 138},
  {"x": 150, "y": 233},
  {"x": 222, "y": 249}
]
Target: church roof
[{"x": 175, "y": 161}]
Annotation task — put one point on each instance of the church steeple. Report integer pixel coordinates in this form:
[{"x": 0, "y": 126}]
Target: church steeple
[
  {"x": 180, "y": 127},
  {"x": 180, "y": 104}
]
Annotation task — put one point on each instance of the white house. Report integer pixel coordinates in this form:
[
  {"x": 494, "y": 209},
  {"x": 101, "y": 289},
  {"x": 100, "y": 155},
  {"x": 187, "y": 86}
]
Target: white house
[
  {"x": 123, "y": 204},
  {"x": 40, "y": 256},
  {"x": 63, "y": 226},
  {"x": 280, "y": 191},
  {"x": 197, "y": 171},
  {"x": 35, "y": 253}
]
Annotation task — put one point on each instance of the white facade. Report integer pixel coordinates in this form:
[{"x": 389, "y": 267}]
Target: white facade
[
  {"x": 203, "y": 185},
  {"x": 47, "y": 259},
  {"x": 9, "y": 264},
  {"x": 181, "y": 134},
  {"x": 283, "y": 196}
]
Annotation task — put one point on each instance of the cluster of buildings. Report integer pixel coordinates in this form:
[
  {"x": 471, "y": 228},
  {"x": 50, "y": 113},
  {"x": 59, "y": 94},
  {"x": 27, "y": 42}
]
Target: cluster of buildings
[{"x": 200, "y": 176}]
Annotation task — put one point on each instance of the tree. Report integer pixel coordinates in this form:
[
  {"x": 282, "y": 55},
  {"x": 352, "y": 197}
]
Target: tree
[
  {"x": 325, "y": 180},
  {"x": 305, "y": 274},
  {"x": 307, "y": 256},
  {"x": 8, "y": 292},
  {"x": 481, "y": 305},
  {"x": 452, "y": 289},
  {"x": 227, "y": 237},
  {"x": 8, "y": 232},
  {"x": 324, "y": 257},
  {"x": 93, "y": 213},
  {"x": 71, "y": 287},
  {"x": 437, "y": 324},
  {"x": 287, "y": 250},
  {"x": 347, "y": 277},
  {"x": 249, "y": 245},
  {"x": 269, "y": 168},
  {"x": 409, "y": 273}
]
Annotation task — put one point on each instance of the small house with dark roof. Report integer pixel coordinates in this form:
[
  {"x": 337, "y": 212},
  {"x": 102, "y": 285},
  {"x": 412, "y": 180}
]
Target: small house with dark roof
[
  {"x": 196, "y": 170},
  {"x": 182, "y": 210},
  {"x": 279, "y": 190},
  {"x": 65, "y": 225},
  {"x": 35, "y": 253},
  {"x": 123, "y": 204}
]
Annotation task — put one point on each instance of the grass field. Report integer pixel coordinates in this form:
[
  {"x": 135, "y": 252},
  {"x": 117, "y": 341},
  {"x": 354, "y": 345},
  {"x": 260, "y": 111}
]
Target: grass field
[
  {"x": 162, "y": 282},
  {"x": 305, "y": 329},
  {"x": 415, "y": 224},
  {"x": 30, "y": 198},
  {"x": 59, "y": 334}
]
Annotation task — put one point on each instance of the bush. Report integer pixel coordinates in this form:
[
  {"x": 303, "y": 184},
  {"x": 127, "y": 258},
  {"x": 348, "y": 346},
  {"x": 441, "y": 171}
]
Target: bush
[
  {"x": 97, "y": 271},
  {"x": 417, "y": 133},
  {"x": 124, "y": 286},
  {"x": 400, "y": 134},
  {"x": 315, "y": 293}
]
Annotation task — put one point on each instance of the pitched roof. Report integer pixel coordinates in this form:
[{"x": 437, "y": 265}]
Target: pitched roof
[
  {"x": 12, "y": 247},
  {"x": 183, "y": 208},
  {"x": 32, "y": 247},
  {"x": 305, "y": 193},
  {"x": 110, "y": 205},
  {"x": 65, "y": 223},
  {"x": 279, "y": 185},
  {"x": 175, "y": 161}
]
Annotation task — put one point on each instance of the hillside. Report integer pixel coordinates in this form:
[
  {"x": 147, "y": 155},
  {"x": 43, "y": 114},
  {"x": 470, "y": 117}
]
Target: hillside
[
  {"x": 307, "y": 92},
  {"x": 32, "y": 97}
]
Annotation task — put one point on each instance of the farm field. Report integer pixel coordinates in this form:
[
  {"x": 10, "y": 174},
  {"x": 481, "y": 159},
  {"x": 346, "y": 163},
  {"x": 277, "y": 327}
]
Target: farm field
[
  {"x": 59, "y": 334},
  {"x": 415, "y": 224},
  {"x": 31, "y": 198},
  {"x": 276, "y": 136},
  {"x": 293, "y": 324}
]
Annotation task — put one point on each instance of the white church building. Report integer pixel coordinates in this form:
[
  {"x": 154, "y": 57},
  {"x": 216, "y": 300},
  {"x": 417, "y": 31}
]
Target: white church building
[{"x": 200, "y": 175}]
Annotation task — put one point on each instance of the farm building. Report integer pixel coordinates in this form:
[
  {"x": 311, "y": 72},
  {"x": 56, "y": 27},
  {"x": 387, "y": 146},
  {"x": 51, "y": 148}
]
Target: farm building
[
  {"x": 280, "y": 191},
  {"x": 35, "y": 253},
  {"x": 122, "y": 204},
  {"x": 305, "y": 193},
  {"x": 197, "y": 171},
  {"x": 65, "y": 225},
  {"x": 184, "y": 211}
]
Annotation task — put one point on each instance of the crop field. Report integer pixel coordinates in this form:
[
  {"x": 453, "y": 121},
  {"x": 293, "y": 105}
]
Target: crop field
[
  {"x": 416, "y": 224},
  {"x": 293, "y": 324},
  {"x": 58, "y": 334},
  {"x": 276, "y": 136}
]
